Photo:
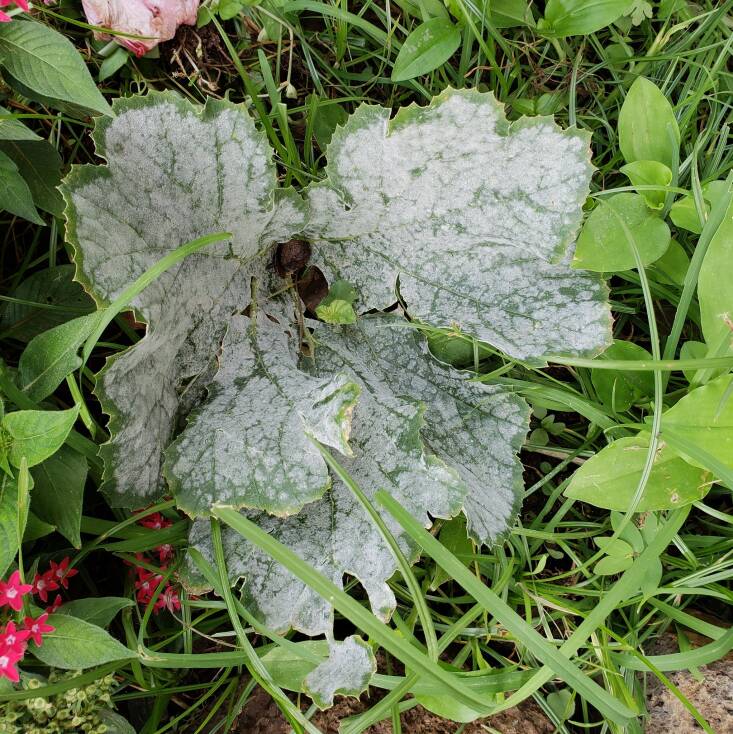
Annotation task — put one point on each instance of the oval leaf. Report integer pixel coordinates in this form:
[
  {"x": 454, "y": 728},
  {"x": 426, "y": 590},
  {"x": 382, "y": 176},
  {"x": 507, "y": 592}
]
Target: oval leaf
[
  {"x": 647, "y": 127},
  {"x": 603, "y": 245},
  {"x": 46, "y": 62},
  {"x": 579, "y": 17},
  {"x": 429, "y": 46},
  {"x": 36, "y": 434},
  {"x": 610, "y": 478},
  {"x": 76, "y": 644}
]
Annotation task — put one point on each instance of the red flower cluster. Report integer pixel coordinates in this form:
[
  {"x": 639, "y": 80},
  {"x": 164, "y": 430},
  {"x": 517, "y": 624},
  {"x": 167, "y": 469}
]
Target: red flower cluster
[
  {"x": 14, "y": 640},
  {"x": 147, "y": 582},
  {"x": 4, "y": 17},
  {"x": 56, "y": 576}
]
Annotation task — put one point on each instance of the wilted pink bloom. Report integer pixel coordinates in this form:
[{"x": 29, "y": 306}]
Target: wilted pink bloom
[{"x": 155, "y": 19}]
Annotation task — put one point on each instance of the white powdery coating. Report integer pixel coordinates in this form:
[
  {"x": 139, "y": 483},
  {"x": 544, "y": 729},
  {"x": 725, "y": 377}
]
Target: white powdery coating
[
  {"x": 335, "y": 535},
  {"x": 249, "y": 446},
  {"x": 347, "y": 671},
  {"x": 174, "y": 174},
  {"x": 475, "y": 429},
  {"x": 469, "y": 213}
]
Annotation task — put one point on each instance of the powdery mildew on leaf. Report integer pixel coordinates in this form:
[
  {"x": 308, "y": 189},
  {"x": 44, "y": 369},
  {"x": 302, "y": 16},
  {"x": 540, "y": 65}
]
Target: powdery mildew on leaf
[
  {"x": 476, "y": 429},
  {"x": 249, "y": 445},
  {"x": 470, "y": 214},
  {"x": 408, "y": 400},
  {"x": 347, "y": 670},
  {"x": 174, "y": 172},
  {"x": 335, "y": 535}
]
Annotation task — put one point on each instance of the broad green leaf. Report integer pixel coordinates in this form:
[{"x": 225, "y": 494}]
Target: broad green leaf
[
  {"x": 251, "y": 445},
  {"x": 12, "y": 129},
  {"x": 647, "y": 127},
  {"x": 715, "y": 294},
  {"x": 45, "y": 299},
  {"x": 672, "y": 267},
  {"x": 15, "y": 196},
  {"x": 603, "y": 244},
  {"x": 195, "y": 171},
  {"x": 40, "y": 166},
  {"x": 36, "y": 528},
  {"x": 580, "y": 17},
  {"x": 427, "y": 47},
  {"x": 8, "y": 521},
  {"x": 52, "y": 355},
  {"x": 76, "y": 645},
  {"x": 100, "y": 610},
  {"x": 684, "y": 212},
  {"x": 704, "y": 419},
  {"x": 35, "y": 434},
  {"x": 453, "y": 537},
  {"x": 649, "y": 173},
  {"x": 614, "y": 547},
  {"x": 510, "y": 13},
  {"x": 610, "y": 478},
  {"x": 347, "y": 671},
  {"x": 46, "y": 62},
  {"x": 58, "y": 492},
  {"x": 619, "y": 389},
  {"x": 469, "y": 213}
]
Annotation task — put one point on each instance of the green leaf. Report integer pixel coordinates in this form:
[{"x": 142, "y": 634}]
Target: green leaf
[
  {"x": 454, "y": 538},
  {"x": 672, "y": 267},
  {"x": 427, "y": 47},
  {"x": 704, "y": 419},
  {"x": 713, "y": 287},
  {"x": 115, "y": 723},
  {"x": 47, "y": 62},
  {"x": 647, "y": 127},
  {"x": 619, "y": 389},
  {"x": 603, "y": 245},
  {"x": 36, "y": 434},
  {"x": 76, "y": 645},
  {"x": 692, "y": 350},
  {"x": 100, "y": 610},
  {"x": 610, "y": 478},
  {"x": 562, "y": 703},
  {"x": 232, "y": 454},
  {"x": 649, "y": 173},
  {"x": 8, "y": 521},
  {"x": 36, "y": 528},
  {"x": 289, "y": 669},
  {"x": 510, "y": 13},
  {"x": 59, "y": 492},
  {"x": 48, "y": 298},
  {"x": 611, "y": 565},
  {"x": 52, "y": 355},
  {"x": 337, "y": 306},
  {"x": 471, "y": 230},
  {"x": 684, "y": 212},
  {"x": 580, "y": 17},
  {"x": 614, "y": 547},
  {"x": 113, "y": 63},
  {"x": 11, "y": 129},
  {"x": 40, "y": 166},
  {"x": 147, "y": 197},
  {"x": 15, "y": 196}
]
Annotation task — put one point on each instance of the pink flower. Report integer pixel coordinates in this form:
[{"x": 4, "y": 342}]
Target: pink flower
[
  {"x": 35, "y": 628},
  {"x": 13, "y": 591},
  {"x": 156, "y": 19},
  {"x": 55, "y": 604},
  {"x": 4, "y": 17},
  {"x": 8, "y": 669},
  {"x": 43, "y": 583},
  {"x": 60, "y": 572},
  {"x": 13, "y": 641},
  {"x": 168, "y": 599}
]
